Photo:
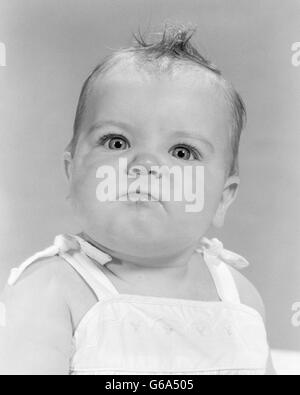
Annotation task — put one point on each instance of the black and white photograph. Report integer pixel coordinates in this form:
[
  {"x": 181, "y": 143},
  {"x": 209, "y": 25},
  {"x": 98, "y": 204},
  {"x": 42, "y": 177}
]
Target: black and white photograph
[{"x": 150, "y": 190}]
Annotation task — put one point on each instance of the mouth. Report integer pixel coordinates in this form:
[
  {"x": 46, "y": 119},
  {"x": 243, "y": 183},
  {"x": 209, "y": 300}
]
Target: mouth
[
  {"x": 139, "y": 196},
  {"x": 143, "y": 200}
]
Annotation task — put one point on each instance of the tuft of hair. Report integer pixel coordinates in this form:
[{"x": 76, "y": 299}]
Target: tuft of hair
[
  {"x": 172, "y": 48},
  {"x": 174, "y": 44}
]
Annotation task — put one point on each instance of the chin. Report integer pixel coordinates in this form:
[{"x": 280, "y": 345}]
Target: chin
[
  {"x": 144, "y": 248},
  {"x": 130, "y": 238},
  {"x": 138, "y": 234},
  {"x": 150, "y": 243}
]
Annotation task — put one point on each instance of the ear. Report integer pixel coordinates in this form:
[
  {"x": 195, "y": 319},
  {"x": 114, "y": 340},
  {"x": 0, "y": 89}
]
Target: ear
[
  {"x": 68, "y": 162},
  {"x": 228, "y": 197}
]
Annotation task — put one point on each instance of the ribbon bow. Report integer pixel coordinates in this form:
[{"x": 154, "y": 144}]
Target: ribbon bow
[{"x": 214, "y": 248}]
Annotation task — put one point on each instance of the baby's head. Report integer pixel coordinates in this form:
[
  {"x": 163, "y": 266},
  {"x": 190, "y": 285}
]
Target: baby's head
[{"x": 155, "y": 104}]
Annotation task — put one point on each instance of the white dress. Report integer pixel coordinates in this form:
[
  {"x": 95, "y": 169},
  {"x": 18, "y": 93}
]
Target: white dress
[{"x": 130, "y": 334}]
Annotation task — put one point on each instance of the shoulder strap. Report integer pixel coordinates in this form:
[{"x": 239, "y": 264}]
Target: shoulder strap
[
  {"x": 70, "y": 249},
  {"x": 224, "y": 281},
  {"x": 93, "y": 276},
  {"x": 215, "y": 257}
]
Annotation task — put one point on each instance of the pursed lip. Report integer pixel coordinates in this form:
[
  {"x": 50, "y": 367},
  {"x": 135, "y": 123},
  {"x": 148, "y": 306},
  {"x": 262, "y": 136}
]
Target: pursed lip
[
  {"x": 151, "y": 199},
  {"x": 140, "y": 193},
  {"x": 143, "y": 196}
]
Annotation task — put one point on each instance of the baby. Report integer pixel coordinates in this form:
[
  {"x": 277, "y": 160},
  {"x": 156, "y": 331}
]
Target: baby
[{"x": 142, "y": 290}]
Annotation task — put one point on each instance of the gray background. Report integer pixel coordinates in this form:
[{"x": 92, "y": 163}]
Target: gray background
[{"x": 52, "y": 45}]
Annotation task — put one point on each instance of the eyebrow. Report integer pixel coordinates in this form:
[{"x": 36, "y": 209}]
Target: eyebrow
[
  {"x": 101, "y": 124},
  {"x": 177, "y": 133},
  {"x": 194, "y": 135}
]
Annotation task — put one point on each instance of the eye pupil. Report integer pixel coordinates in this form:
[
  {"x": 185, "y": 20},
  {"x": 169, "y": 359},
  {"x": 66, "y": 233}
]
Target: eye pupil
[
  {"x": 182, "y": 153},
  {"x": 117, "y": 143}
]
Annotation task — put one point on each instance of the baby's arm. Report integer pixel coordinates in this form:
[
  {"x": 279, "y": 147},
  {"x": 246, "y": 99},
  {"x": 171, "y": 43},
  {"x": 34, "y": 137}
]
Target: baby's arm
[
  {"x": 251, "y": 297},
  {"x": 36, "y": 330}
]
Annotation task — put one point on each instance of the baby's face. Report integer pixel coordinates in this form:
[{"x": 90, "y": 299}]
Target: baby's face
[{"x": 151, "y": 121}]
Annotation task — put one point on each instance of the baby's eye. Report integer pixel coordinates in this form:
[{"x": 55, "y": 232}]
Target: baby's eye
[
  {"x": 114, "y": 142},
  {"x": 185, "y": 152}
]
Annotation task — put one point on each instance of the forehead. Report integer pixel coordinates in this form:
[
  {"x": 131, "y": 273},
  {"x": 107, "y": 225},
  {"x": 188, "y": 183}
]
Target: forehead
[{"x": 180, "y": 98}]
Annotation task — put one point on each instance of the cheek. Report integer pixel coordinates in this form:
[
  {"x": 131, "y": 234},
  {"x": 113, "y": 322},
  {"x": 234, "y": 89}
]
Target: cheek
[
  {"x": 93, "y": 216},
  {"x": 206, "y": 184},
  {"x": 214, "y": 186},
  {"x": 204, "y": 190},
  {"x": 84, "y": 183}
]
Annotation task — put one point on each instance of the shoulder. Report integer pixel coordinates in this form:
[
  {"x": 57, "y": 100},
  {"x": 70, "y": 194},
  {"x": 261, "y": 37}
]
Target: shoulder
[
  {"x": 40, "y": 284},
  {"x": 248, "y": 293},
  {"x": 45, "y": 273},
  {"x": 37, "y": 331},
  {"x": 53, "y": 285}
]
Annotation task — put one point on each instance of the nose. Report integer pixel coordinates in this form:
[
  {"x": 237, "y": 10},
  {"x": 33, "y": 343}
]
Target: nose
[{"x": 144, "y": 165}]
